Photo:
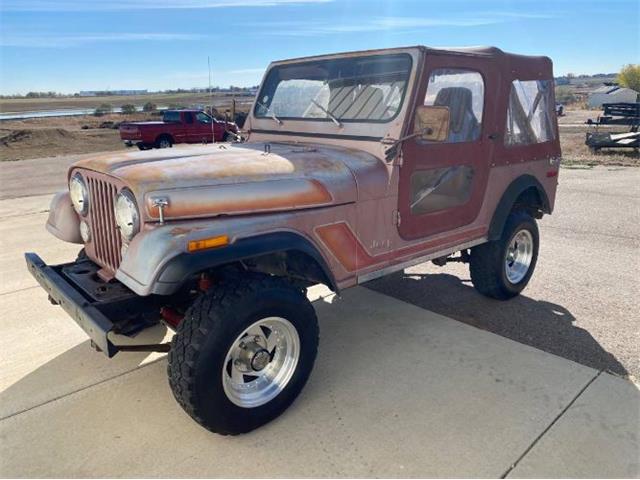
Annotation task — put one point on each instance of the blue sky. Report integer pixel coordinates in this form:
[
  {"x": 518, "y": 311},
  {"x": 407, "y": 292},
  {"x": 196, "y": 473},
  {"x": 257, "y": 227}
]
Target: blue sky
[{"x": 71, "y": 45}]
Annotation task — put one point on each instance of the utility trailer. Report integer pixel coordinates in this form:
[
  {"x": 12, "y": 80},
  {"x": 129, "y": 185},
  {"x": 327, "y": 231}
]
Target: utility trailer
[{"x": 616, "y": 114}]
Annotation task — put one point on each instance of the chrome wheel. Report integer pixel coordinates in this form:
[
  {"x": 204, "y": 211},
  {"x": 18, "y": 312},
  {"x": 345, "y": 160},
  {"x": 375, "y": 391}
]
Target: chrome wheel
[
  {"x": 261, "y": 362},
  {"x": 519, "y": 256},
  {"x": 164, "y": 143}
]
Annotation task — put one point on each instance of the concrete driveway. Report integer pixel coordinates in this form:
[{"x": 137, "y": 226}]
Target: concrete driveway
[{"x": 397, "y": 391}]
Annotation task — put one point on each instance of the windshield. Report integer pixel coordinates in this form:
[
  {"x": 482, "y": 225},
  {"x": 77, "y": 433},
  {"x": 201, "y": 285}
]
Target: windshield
[{"x": 354, "y": 89}]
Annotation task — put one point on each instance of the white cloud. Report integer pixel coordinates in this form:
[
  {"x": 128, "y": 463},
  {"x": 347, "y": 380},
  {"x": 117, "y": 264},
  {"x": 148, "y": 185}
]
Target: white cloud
[
  {"x": 119, "y": 5},
  {"x": 373, "y": 25},
  {"x": 57, "y": 41},
  {"x": 387, "y": 24}
]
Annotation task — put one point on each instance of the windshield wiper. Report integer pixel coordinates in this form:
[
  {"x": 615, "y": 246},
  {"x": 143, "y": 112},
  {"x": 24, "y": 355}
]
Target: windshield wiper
[
  {"x": 272, "y": 116},
  {"x": 331, "y": 115}
]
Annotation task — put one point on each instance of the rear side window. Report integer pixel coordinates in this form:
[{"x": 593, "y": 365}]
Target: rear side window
[
  {"x": 530, "y": 113},
  {"x": 462, "y": 91},
  {"x": 171, "y": 117}
]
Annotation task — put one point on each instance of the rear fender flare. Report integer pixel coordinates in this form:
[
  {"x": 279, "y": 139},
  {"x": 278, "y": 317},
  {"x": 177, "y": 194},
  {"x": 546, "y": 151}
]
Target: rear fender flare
[{"x": 508, "y": 200}]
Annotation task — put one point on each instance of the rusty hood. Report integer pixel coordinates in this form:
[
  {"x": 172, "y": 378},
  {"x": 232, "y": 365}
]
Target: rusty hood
[{"x": 208, "y": 180}]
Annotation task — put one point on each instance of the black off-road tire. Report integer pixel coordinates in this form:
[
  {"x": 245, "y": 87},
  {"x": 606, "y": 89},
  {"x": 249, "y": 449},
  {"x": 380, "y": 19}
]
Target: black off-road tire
[
  {"x": 211, "y": 325},
  {"x": 487, "y": 261}
]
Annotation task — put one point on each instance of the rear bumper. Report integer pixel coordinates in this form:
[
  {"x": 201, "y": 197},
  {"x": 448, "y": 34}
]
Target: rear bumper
[{"x": 81, "y": 310}]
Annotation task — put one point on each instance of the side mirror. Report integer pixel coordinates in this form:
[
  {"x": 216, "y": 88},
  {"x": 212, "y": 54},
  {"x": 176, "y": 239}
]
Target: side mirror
[{"x": 432, "y": 123}]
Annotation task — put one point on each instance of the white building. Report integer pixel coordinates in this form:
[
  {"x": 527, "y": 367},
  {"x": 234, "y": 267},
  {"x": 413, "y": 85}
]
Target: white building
[
  {"x": 611, "y": 94},
  {"x": 99, "y": 93}
]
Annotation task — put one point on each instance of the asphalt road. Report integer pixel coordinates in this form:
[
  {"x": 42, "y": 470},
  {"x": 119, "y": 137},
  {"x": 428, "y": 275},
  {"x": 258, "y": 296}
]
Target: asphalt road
[{"x": 581, "y": 303}]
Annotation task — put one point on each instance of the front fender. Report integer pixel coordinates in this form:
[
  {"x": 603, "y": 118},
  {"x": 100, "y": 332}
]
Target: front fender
[
  {"x": 183, "y": 266},
  {"x": 157, "y": 261},
  {"x": 63, "y": 221}
]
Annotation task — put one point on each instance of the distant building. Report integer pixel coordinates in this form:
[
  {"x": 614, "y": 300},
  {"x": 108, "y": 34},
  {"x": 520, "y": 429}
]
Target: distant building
[
  {"x": 95, "y": 93},
  {"x": 611, "y": 94}
]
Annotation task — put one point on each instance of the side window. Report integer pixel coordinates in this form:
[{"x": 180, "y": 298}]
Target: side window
[
  {"x": 530, "y": 113},
  {"x": 188, "y": 117},
  {"x": 171, "y": 116},
  {"x": 463, "y": 92},
  {"x": 203, "y": 118}
]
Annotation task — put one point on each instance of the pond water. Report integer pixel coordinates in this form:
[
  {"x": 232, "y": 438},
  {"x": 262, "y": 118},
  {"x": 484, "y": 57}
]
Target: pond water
[{"x": 62, "y": 112}]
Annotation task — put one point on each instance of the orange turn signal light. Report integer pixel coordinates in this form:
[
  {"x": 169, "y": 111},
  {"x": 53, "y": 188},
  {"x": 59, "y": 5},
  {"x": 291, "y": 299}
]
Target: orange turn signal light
[{"x": 206, "y": 243}]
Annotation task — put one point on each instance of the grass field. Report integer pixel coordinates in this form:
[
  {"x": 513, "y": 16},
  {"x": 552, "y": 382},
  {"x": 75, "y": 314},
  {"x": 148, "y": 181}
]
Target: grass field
[{"x": 160, "y": 99}]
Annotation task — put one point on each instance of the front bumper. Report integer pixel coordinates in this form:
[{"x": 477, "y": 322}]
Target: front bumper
[
  {"x": 99, "y": 308},
  {"x": 65, "y": 294}
]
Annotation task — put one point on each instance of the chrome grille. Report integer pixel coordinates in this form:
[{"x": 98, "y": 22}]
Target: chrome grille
[{"x": 105, "y": 236}]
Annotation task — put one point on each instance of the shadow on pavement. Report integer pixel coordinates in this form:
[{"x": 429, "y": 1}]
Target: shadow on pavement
[
  {"x": 74, "y": 370},
  {"x": 396, "y": 391},
  {"x": 543, "y": 325}
]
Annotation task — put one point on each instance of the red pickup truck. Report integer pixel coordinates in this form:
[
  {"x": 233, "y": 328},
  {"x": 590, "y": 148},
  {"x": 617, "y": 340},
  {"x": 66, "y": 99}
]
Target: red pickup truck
[{"x": 177, "y": 126}]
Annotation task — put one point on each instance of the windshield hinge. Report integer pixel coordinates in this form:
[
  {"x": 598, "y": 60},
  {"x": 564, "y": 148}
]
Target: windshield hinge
[{"x": 396, "y": 218}]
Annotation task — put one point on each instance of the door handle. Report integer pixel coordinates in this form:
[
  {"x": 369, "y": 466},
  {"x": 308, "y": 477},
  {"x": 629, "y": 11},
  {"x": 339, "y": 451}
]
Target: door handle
[{"x": 494, "y": 136}]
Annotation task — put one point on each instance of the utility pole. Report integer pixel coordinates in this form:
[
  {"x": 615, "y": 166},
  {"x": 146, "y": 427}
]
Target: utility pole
[{"x": 213, "y": 137}]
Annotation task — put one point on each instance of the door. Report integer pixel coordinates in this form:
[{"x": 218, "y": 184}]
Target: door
[
  {"x": 184, "y": 130},
  {"x": 175, "y": 126},
  {"x": 442, "y": 184},
  {"x": 203, "y": 128}
]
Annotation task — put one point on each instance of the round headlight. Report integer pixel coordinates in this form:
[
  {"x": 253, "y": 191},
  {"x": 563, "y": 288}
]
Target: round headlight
[
  {"x": 79, "y": 194},
  {"x": 127, "y": 216}
]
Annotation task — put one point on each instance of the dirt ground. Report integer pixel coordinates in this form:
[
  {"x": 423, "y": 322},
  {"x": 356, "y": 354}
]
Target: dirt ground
[
  {"x": 47, "y": 137},
  {"x": 34, "y": 138},
  {"x": 55, "y": 136},
  {"x": 574, "y": 152}
]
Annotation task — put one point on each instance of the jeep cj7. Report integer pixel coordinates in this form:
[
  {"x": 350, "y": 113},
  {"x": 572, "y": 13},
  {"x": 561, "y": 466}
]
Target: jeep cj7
[{"x": 356, "y": 165}]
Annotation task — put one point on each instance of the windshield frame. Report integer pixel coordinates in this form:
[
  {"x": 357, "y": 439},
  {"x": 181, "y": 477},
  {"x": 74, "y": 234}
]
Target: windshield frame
[{"x": 409, "y": 74}]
